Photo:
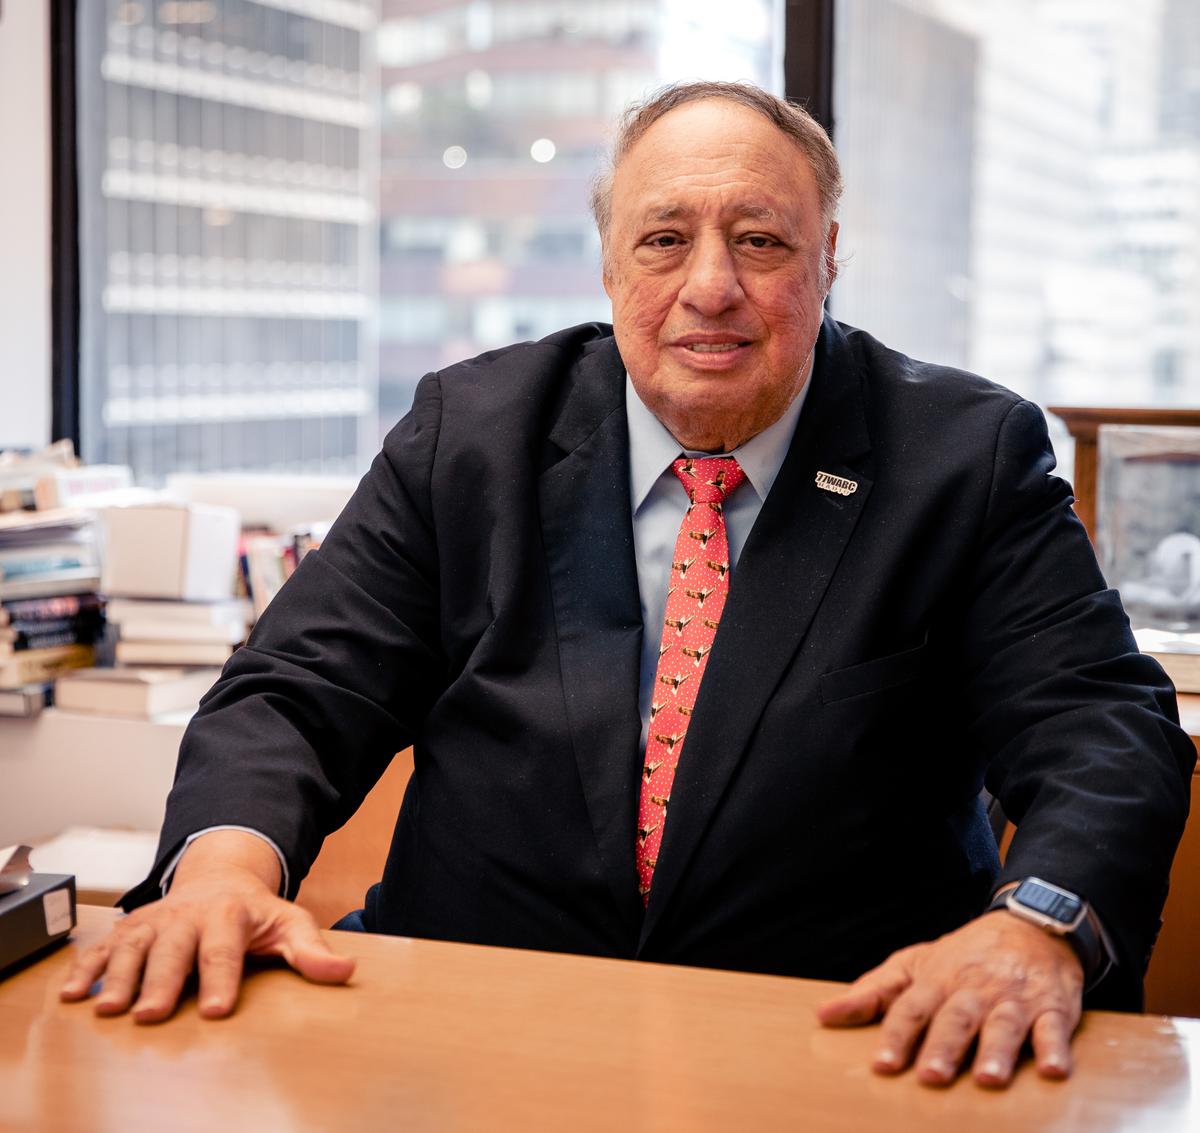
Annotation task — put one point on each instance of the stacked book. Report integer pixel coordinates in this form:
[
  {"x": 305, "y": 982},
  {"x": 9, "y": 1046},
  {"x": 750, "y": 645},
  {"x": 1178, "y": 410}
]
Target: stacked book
[
  {"x": 268, "y": 560},
  {"x": 20, "y": 472},
  {"x": 50, "y": 612},
  {"x": 158, "y": 631},
  {"x": 168, "y": 655},
  {"x": 168, "y": 577}
]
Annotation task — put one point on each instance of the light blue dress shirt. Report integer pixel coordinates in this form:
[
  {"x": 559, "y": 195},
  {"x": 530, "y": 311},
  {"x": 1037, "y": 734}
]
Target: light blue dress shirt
[{"x": 658, "y": 502}]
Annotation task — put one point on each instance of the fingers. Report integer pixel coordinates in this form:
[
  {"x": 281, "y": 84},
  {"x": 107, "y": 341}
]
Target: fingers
[
  {"x": 169, "y": 961},
  {"x": 147, "y": 958},
  {"x": 1052, "y": 1031},
  {"x": 123, "y": 972},
  {"x": 952, "y": 1031},
  {"x": 144, "y": 967},
  {"x": 1005, "y": 1032},
  {"x": 220, "y": 960},
  {"x": 1000, "y": 1041},
  {"x": 304, "y": 948},
  {"x": 86, "y": 970},
  {"x": 868, "y": 997},
  {"x": 903, "y": 1026},
  {"x": 995, "y": 981}
]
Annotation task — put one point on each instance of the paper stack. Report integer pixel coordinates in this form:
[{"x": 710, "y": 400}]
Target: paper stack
[{"x": 1177, "y": 653}]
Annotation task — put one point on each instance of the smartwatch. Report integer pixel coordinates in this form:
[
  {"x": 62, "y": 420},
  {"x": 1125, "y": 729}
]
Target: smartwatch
[{"x": 1062, "y": 913}]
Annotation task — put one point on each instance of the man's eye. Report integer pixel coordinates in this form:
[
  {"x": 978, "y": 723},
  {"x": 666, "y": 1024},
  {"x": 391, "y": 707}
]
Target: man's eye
[
  {"x": 756, "y": 241},
  {"x": 664, "y": 240}
]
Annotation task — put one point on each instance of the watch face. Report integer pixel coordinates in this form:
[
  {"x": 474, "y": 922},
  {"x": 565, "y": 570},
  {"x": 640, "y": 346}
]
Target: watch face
[{"x": 1055, "y": 903}]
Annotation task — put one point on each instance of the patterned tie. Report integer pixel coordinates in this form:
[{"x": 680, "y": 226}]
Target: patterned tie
[{"x": 695, "y": 598}]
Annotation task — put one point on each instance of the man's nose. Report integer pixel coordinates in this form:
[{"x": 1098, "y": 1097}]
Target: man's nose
[{"x": 712, "y": 285}]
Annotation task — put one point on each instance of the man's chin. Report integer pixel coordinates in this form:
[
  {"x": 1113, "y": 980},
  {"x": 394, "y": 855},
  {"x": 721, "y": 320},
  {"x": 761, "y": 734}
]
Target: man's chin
[{"x": 705, "y": 429}]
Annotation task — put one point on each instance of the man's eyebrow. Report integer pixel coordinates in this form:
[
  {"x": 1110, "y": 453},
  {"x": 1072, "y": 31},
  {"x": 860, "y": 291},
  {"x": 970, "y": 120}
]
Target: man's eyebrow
[
  {"x": 669, "y": 212},
  {"x": 757, "y": 212}
]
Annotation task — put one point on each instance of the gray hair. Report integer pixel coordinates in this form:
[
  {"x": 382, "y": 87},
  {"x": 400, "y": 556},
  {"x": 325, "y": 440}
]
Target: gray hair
[{"x": 792, "y": 120}]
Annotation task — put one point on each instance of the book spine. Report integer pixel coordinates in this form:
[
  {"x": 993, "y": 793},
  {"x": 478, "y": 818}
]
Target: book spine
[
  {"x": 90, "y": 624},
  {"x": 20, "y": 497},
  {"x": 31, "y": 567},
  {"x": 24, "y": 701},
  {"x": 48, "y": 609},
  {"x": 49, "y": 638},
  {"x": 50, "y": 585},
  {"x": 37, "y": 665}
]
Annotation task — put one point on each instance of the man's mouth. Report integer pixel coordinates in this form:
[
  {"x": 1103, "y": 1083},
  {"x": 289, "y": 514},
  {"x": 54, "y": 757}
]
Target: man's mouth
[{"x": 713, "y": 347}]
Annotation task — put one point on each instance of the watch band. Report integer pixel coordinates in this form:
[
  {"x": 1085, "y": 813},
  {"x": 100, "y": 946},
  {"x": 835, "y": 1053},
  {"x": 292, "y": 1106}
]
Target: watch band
[{"x": 1087, "y": 938}]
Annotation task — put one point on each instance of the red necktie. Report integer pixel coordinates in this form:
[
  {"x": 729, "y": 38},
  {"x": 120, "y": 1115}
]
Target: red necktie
[{"x": 695, "y": 599}]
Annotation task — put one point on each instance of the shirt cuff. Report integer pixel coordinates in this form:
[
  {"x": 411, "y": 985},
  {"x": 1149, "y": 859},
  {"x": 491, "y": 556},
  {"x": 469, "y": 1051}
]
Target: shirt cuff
[{"x": 169, "y": 871}]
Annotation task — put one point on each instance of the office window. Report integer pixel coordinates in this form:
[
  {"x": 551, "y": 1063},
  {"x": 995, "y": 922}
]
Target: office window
[
  {"x": 226, "y": 234},
  {"x": 1023, "y": 190},
  {"x": 290, "y": 210},
  {"x": 495, "y": 115}
]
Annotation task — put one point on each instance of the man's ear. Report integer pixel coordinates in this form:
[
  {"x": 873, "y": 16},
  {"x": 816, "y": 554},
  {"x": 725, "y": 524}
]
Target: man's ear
[{"x": 831, "y": 264}]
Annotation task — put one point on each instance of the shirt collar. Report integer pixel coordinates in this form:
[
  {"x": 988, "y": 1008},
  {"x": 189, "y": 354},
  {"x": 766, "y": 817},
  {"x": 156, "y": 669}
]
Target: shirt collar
[{"x": 652, "y": 448}]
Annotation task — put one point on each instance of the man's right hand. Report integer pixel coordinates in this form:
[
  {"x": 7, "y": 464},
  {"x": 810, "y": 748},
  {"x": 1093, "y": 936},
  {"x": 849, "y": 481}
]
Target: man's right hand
[{"x": 221, "y": 907}]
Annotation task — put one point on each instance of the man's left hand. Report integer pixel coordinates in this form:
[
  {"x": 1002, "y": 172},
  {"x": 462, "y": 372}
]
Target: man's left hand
[{"x": 997, "y": 979}]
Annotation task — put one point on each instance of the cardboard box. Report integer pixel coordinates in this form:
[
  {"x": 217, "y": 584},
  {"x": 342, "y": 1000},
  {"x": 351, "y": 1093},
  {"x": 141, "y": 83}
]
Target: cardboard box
[
  {"x": 186, "y": 552},
  {"x": 35, "y": 917},
  {"x": 82, "y": 486}
]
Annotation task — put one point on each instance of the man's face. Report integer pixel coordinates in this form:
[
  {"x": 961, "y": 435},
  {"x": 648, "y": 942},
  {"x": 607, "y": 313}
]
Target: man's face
[{"x": 714, "y": 269}]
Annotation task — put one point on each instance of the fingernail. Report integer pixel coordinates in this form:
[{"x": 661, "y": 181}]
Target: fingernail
[
  {"x": 938, "y": 1066},
  {"x": 887, "y": 1058},
  {"x": 992, "y": 1069},
  {"x": 210, "y": 1005}
]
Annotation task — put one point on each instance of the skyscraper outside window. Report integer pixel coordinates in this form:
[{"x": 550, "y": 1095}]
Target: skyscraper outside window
[{"x": 292, "y": 209}]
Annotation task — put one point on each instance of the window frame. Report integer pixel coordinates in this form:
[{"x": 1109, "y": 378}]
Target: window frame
[{"x": 64, "y": 226}]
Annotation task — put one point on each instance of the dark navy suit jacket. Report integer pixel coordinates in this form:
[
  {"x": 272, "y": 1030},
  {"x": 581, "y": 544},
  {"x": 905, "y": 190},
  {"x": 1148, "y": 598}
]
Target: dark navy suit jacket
[{"x": 883, "y": 655}]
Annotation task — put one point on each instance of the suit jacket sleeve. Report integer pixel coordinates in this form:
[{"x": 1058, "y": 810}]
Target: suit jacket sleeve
[
  {"x": 1080, "y": 729},
  {"x": 336, "y": 677}
]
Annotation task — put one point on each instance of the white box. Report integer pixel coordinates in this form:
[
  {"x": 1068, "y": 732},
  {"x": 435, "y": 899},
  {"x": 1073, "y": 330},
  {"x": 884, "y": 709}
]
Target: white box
[
  {"x": 186, "y": 552},
  {"x": 80, "y": 487},
  {"x": 276, "y": 501}
]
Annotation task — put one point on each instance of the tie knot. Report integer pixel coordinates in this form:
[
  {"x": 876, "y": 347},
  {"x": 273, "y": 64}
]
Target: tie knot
[{"x": 708, "y": 479}]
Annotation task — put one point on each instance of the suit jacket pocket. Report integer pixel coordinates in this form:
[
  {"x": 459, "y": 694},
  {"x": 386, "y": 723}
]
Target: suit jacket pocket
[{"x": 874, "y": 676}]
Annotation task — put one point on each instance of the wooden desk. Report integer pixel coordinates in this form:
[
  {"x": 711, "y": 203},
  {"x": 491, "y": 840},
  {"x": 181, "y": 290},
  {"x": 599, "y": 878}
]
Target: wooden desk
[{"x": 444, "y": 1037}]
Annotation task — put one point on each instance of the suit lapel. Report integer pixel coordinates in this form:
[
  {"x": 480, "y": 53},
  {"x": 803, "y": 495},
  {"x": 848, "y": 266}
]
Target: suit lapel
[
  {"x": 588, "y": 534},
  {"x": 781, "y": 577}
]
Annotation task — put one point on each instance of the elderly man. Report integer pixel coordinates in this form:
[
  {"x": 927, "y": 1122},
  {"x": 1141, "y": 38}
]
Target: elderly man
[{"x": 707, "y": 630}]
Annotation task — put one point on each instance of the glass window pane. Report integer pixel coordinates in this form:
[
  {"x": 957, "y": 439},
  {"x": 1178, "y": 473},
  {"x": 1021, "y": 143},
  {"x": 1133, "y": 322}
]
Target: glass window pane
[
  {"x": 1023, "y": 190},
  {"x": 227, "y": 235},
  {"x": 495, "y": 117}
]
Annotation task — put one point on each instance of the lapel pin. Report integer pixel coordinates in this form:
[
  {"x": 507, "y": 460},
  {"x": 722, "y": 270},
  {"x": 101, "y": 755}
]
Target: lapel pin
[{"x": 830, "y": 483}]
